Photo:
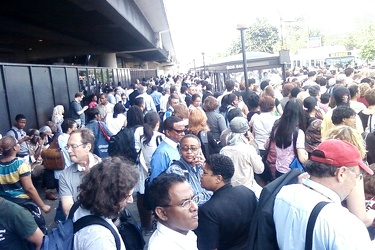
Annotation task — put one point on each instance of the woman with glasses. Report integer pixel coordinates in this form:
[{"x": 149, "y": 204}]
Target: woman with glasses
[
  {"x": 15, "y": 175},
  {"x": 190, "y": 165}
]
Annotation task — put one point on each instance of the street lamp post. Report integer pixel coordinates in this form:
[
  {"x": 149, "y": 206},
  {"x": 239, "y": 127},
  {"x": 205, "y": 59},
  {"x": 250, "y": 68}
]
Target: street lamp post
[
  {"x": 242, "y": 28},
  {"x": 204, "y": 65}
]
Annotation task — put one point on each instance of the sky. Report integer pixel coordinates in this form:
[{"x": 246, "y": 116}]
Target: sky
[{"x": 209, "y": 26}]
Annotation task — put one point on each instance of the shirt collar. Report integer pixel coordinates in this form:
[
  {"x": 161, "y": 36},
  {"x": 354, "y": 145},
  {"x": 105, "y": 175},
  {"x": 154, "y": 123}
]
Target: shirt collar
[
  {"x": 323, "y": 190},
  {"x": 171, "y": 143},
  {"x": 92, "y": 161}
]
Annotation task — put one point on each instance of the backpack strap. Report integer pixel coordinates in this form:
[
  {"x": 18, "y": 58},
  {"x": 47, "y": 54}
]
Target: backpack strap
[
  {"x": 159, "y": 139},
  {"x": 311, "y": 224},
  {"x": 204, "y": 139},
  {"x": 183, "y": 167},
  {"x": 295, "y": 136},
  {"x": 73, "y": 209},
  {"x": 96, "y": 220},
  {"x": 15, "y": 133}
]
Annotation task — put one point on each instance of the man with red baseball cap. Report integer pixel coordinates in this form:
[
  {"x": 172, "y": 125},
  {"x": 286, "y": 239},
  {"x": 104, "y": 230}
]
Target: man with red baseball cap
[{"x": 334, "y": 169}]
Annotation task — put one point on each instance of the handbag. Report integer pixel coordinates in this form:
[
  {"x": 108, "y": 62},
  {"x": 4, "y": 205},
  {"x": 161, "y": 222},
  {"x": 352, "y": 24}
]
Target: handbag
[
  {"x": 106, "y": 136},
  {"x": 53, "y": 158},
  {"x": 296, "y": 163}
]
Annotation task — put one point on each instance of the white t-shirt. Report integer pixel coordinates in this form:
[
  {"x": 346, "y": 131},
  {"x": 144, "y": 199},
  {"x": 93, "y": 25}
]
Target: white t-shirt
[{"x": 115, "y": 124}]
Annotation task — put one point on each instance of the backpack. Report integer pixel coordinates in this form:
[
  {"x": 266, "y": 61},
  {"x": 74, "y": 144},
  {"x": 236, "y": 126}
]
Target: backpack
[
  {"x": 62, "y": 237},
  {"x": 204, "y": 140},
  {"x": 123, "y": 144},
  {"x": 130, "y": 232},
  {"x": 262, "y": 229},
  {"x": 146, "y": 203}
]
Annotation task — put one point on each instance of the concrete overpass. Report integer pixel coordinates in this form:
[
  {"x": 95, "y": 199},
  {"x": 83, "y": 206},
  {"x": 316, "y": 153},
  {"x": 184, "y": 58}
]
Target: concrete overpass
[{"x": 110, "y": 33}]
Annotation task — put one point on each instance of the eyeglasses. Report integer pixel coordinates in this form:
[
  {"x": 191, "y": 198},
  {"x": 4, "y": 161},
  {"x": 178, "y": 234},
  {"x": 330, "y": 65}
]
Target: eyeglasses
[
  {"x": 179, "y": 131},
  {"x": 358, "y": 176},
  {"x": 187, "y": 203},
  {"x": 186, "y": 149},
  {"x": 73, "y": 146},
  {"x": 204, "y": 173}
]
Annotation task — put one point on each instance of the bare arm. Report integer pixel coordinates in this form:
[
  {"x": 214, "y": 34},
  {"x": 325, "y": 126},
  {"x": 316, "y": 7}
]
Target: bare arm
[
  {"x": 36, "y": 238},
  {"x": 67, "y": 203},
  {"x": 356, "y": 205},
  {"x": 28, "y": 186},
  {"x": 302, "y": 155}
]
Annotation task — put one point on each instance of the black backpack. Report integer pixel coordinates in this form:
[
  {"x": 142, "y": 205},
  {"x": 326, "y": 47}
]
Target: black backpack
[
  {"x": 123, "y": 144},
  {"x": 130, "y": 232},
  {"x": 262, "y": 229}
]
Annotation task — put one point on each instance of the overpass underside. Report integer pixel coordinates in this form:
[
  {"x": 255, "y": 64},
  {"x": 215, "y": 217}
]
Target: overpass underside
[{"x": 79, "y": 32}]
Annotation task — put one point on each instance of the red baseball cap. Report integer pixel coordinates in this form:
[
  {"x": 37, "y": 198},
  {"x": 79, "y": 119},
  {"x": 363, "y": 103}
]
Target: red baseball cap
[{"x": 339, "y": 153}]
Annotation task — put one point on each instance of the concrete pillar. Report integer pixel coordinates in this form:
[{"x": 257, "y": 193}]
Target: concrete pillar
[{"x": 107, "y": 60}]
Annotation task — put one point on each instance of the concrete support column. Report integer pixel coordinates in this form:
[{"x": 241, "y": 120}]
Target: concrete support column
[{"x": 107, "y": 60}]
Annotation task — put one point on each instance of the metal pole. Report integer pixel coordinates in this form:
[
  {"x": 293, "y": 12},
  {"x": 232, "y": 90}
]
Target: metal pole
[
  {"x": 244, "y": 60},
  {"x": 204, "y": 66}
]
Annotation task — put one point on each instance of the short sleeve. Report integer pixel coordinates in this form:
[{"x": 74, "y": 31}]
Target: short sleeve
[{"x": 300, "y": 139}]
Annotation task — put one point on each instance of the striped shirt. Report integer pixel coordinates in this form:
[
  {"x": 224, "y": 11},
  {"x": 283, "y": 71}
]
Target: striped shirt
[{"x": 10, "y": 178}]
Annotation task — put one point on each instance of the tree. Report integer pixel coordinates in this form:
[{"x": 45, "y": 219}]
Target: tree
[{"x": 261, "y": 36}]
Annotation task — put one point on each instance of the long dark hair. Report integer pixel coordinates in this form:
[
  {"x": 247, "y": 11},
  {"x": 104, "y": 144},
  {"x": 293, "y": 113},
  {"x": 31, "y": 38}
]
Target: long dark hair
[
  {"x": 293, "y": 117},
  {"x": 151, "y": 120},
  {"x": 134, "y": 116}
]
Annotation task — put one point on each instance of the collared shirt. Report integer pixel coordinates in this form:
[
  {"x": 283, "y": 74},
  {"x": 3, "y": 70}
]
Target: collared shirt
[
  {"x": 149, "y": 102},
  {"x": 20, "y": 134},
  {"x": 156, "y": 97},
  {"x": 335, "y": 228},
  {"x": 105, "y": 110},
  {"x": 72, "y": 176},
  {"x": 168, "y": 239},
  {"x": 194, "y": 179},
  {"x": 165, "y": 153}
]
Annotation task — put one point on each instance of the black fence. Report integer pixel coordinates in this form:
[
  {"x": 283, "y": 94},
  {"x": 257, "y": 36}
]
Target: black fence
[{"x": 34, "y": 90}]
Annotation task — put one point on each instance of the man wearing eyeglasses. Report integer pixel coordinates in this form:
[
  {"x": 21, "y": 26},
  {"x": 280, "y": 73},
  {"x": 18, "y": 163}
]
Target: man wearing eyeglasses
[
  {"x": 167, "y": 151},
  {"x": 80, "y": 146},
  {"x": 224, "y": 220},
  {"x": 190, "y": 165},
  {"x": 175, "y": 207},
  {"x": 335, "y": 168}
]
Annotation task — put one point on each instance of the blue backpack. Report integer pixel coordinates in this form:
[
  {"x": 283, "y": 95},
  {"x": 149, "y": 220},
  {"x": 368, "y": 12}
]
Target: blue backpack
[{"x": 62, "y": 237}]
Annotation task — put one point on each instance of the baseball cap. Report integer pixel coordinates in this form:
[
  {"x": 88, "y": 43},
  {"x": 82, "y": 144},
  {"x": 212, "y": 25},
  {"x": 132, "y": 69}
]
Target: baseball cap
[
  {"x": 339, "y": 153},
  {"x": 239, "y": 125}
]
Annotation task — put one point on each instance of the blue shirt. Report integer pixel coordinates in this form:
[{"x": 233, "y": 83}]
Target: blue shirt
[
  {"x": 165, "y": 153},
  {"x": 156, "y": 97},
  {"x": 194, "y": 179}
]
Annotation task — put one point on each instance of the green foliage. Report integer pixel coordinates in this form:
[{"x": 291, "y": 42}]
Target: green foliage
[{"x": 260, "y": 36}]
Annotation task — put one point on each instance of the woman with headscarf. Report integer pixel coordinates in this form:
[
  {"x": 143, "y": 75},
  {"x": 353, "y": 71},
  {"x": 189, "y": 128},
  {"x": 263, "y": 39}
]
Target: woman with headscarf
[{"x": 244, "y": 155}]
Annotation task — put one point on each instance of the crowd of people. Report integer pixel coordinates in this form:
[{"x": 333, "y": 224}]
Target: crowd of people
[{"x": 207, "y": 154}]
